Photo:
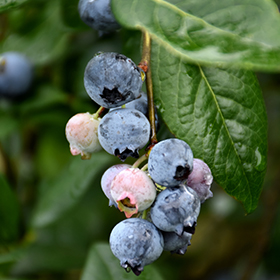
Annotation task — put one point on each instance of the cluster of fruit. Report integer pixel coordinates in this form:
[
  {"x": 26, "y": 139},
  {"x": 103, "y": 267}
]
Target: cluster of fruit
[{"x": 161, "y": 200}]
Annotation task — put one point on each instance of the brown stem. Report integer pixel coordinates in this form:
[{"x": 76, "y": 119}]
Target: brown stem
[{"x": 145, "y": 64}]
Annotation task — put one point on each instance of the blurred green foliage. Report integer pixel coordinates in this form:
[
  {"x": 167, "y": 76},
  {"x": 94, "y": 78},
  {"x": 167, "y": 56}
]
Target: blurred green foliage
[{"x": 54, "y": 219}]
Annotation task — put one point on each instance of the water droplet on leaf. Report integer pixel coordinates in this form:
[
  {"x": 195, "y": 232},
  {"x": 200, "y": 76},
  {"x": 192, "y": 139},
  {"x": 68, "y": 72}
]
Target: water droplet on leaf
[{"x": 260, "y": 164}]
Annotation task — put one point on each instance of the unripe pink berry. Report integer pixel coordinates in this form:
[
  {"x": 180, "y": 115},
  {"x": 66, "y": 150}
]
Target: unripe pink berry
[
  {"x": 201, "y": 179},
  {"x": 108, "y": 177},
  {"x": 133, "y": 191},
  {"x": 81, "y": 133}
]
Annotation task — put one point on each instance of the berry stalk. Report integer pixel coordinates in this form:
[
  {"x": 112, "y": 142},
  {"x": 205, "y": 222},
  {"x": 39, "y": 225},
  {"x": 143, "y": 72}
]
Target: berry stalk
[{"x": 145, "y": 64}]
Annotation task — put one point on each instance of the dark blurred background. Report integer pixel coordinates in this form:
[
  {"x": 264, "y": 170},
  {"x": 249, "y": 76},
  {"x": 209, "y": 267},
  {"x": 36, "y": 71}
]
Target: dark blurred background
[{"x": 50, "y": 229}]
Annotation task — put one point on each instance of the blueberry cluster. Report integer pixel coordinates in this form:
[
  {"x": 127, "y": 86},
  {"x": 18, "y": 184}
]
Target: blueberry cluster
[
  {"x": 161, "y": 202},
  {"x": 162, "y": 199}
]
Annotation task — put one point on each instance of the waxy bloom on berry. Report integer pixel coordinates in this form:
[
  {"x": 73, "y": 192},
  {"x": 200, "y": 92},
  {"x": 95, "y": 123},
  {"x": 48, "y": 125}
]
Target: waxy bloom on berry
[
  {"x": 133, "y": 191},
  {"x": 201, "y": 179},
  {"x": 81, "y": 133},
  {"x": 108, "y": 177}
]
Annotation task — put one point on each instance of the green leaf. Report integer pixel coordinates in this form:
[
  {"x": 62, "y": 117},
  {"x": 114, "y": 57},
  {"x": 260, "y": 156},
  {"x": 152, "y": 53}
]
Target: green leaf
[
  {"x": 102, "y": 264},
  {"x": 9, "y": 212},
  {"x": 65, "y": 191},
  {"x": 8, "y": 124},
  {"x": 222, "y": 33},
  {"x": 10, "y": 4},
  {"x": 221, "y": 114}
]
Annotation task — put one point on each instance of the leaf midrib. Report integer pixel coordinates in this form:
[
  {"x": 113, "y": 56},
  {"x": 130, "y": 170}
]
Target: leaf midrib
[{"x": 226, "y": 128}]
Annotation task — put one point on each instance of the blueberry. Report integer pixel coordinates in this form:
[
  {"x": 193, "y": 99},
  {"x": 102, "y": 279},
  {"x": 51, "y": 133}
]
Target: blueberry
[
  {"x": 201, "y": 179},
  {"x": 133, "y": 190},
  {"x": 122, "y": 132},
  {"x": 140, "y": 104},
  {"x": 112, "y": 79},
  {"x": 16, "y": 74},
  {"x": 176, "y": 210},
  {"x": 98, "y": 15},
  {"x": 175, "y": 243},
  {"x": 170, "y": 162},
  {"x": 136, "y": 243},
  {"x": 107, "y": 179},
  {"x": 81, "y": 133}
]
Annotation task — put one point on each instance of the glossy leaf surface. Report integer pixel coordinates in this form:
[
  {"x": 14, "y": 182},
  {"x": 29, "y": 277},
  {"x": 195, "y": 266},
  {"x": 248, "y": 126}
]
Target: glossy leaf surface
[
  {"x": 221, "y": 33},
  {"x": 221, "y": 114}
]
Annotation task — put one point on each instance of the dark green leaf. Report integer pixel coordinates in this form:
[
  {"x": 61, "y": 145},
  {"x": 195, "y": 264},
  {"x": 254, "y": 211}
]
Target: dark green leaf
[
  {"x": 8, "y": 124},
  {"x": 10, "y": 4},
  {"x": 9, "y": 212},
  {"x": 63, "y": 193},
  {"x": 102, "y": 264},
  {"x": 46, "y": 97},
  {"x": 221, "y": 33},
  {"x": 42, "y": 257},
  {"x": 221, "y": 114}
]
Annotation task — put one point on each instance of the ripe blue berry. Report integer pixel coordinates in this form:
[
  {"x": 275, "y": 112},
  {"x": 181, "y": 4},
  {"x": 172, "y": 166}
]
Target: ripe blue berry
[
  {"x": 107, "y": 179},
  {"x": 112, "y": 79},
  {"x": 136, "y": 243},
  {"x": 176, "y": 210},
  {"x": 16, "y": 74},
  {"x": 175, "y": 243},
  {"x": 98, "y": 15},
  {"x": 170, "y": 162},
  {"x": 140, "y": 104},
  {"x": 122, "y": 132}
]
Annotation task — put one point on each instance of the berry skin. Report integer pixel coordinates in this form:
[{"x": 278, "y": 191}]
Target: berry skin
[
  {"x": 133, "y": 191},
  {"x": 201, "y": 179},
  {"x": 81, "y": 133},
  {"x": 170, "y": 162},
  {"x": 136, "y": 243},
  {"x": 140, "y": 104},
  {"x": 176, "y": 210},
  {"x": 16, "y": 74},
  {"x": 122, "y": 132},
  {"x": 112, "y": 79},
  {"x": 98, "y": 15},
  {"x": 176, "y": 244},
  {"x": 107, "y": 179}
]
